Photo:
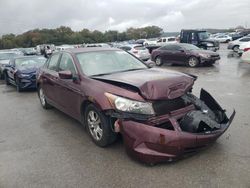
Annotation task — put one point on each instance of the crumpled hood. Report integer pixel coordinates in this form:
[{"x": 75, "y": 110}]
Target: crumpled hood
[
  {"x": 28, "y": 70},
  {"x": 154, "y": 83}
]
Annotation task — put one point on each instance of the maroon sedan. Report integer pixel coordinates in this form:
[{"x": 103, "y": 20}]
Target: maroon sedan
[
  {"x": 110, "y": 91},
  {"x": 183, "y": 54}
]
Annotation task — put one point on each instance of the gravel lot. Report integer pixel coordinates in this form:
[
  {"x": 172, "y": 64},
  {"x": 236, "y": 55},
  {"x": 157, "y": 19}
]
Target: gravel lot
[{"x": 40, "y": 148}]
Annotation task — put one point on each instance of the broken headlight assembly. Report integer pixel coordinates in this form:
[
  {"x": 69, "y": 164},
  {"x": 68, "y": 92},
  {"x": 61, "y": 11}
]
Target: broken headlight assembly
[{"x": 128, "y": 105}]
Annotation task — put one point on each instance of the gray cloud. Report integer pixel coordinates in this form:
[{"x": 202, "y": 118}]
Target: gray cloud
[{"x": 172, "y": 15}]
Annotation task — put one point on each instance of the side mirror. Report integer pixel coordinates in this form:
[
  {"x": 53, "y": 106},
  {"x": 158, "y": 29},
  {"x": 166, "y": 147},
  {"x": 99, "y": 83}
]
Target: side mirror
[
  {"x": 150, "y": 63},
  {"x": 182, "y": 51},
  {"x": 65, "y": 74}
]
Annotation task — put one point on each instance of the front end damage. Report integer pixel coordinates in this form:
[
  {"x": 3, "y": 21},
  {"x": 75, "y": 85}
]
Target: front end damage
[{"x": 180, "y": 126}]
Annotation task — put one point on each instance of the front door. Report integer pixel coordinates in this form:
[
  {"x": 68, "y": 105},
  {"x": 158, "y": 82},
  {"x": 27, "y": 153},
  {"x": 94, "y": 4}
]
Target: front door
[{"x": 69, "y": 89}]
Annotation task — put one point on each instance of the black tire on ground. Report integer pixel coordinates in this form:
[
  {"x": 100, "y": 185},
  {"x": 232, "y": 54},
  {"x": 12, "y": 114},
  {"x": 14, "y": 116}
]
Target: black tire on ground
[
  {"x": 98, "y": 126},
  {"x": 236, "y": 48},
  {"x": 158, "y": 61},
  {"x": 42, "y": 99},
  {"x": 1, "y": 75},
  {"x": 7, "y": 82},
  {"x": 193, "y": 61},
  {"x": 18, "y": 87}
]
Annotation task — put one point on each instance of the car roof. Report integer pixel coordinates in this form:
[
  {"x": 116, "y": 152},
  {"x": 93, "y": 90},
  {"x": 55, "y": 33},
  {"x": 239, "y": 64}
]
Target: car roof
[
  {"x": 27, "y": 57},
  {"x": 90, "y": 49}
]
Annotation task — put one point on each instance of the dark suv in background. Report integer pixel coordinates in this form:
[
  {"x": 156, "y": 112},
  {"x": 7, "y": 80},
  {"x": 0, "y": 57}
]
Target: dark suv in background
[{"x": 200, "y": 39}]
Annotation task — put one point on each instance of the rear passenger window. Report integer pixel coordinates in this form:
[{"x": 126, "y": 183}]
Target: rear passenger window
[
  {"x": 245, "y": 40},
  {"x": 53, "y": 62},
  {"x": 67, "y": 64}
]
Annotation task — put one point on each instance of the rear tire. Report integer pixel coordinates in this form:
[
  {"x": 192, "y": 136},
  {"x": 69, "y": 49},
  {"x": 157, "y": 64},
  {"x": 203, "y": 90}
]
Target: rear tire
[
  {"x": 98, "y": 126},
  {"x": 158, "y": 61},
  {"x": 193, "y": 61}
]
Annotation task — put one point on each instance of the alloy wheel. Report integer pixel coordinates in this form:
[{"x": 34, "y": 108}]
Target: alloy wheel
[
  {"x": 158, "y": 61},
  {"x": 42, "y": 97},
  {"x": 94, "y": 124},
  {"x": 193, "y": 62}
]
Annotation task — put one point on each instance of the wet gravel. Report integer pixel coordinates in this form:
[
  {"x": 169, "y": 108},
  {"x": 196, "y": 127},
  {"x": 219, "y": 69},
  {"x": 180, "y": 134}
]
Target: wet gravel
[{"x": 40, "y": 148}]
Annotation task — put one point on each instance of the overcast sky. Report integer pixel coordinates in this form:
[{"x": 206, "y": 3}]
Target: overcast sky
[{"x": 18, "y": 16}]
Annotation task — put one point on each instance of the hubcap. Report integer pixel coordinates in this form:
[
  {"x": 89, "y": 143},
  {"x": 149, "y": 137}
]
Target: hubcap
[
  {"x": 158, "y": 61},
  {"x": 42, "y": 97},
  {"x": 192, "y": 62},
  {"x": 94, "y": 124}
]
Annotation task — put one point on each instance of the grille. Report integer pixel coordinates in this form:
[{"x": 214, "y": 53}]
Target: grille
[{"x": 165, "y": 106}]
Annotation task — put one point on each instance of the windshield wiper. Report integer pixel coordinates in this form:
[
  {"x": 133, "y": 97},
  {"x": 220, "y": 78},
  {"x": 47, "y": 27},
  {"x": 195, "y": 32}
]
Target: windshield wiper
[{"x": 103, "y": 74}]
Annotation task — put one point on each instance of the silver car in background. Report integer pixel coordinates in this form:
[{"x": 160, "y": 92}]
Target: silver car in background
[{"x": 137, "y": 50}]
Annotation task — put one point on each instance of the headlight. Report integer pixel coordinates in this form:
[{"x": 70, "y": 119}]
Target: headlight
[
  {"x": 24, "y": 75},
  {"x": 209, "y": 45},
  {"x": 127, "y": 105},
  {"x": 205, "y": 55}
]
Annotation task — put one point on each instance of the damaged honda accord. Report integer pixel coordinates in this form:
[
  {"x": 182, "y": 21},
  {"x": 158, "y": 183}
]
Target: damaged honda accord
[{"x": 111, "y": 91}]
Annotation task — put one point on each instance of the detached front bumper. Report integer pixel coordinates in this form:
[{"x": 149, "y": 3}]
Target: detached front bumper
[
  {"x": 209, "y": 60},
  {"x": 28, "y": 83},
  {"x": 154, "y": 144}
]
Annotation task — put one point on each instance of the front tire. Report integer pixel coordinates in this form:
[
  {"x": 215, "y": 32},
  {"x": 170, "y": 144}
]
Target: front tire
[
  {"x": 193, "y": 61},
  {"x": 98, "y": 126},
  {"x": 7, "y": 82},
  {"x": 42, "y": 99},
  {"x": 236, "y": 48},
  {"x": 18, "y": 87}
]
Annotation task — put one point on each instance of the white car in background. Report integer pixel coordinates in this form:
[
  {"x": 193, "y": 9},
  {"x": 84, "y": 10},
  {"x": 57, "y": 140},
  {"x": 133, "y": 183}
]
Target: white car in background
[
  {"x": 64, "y": 47},
  {"x": 243, "y": 48},
  {"x": 223, "y": 38},
  {"x": 150, "y": 42},
  {"x": 246, "y": 57},
  {"x": 234, "y": 45},
  {"x": 166, "y": 40},
  {"x": 137, "y": 50}
]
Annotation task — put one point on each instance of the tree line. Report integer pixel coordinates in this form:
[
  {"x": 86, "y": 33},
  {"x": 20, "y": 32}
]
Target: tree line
[{"x": 65, "y": 35}]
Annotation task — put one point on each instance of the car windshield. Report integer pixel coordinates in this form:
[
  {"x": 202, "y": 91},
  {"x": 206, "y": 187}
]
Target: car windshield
[
  {"x": 8, "y": 55},
  {"x": 203, "y": 35},
  {"x": 108, "y": 62},
  {"x": 190, "y": 47},
  {"x": 30, "y": 62}
]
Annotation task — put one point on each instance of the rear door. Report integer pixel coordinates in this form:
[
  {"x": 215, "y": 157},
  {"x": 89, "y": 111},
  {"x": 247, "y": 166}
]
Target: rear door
[
  {"x": 168, "y": 53},
  {"x": 69, "y": 89},
  {"x": 178, "y": 55},
  {"x": 50, "y": 78},
  {"x": 11, "y": 71}
]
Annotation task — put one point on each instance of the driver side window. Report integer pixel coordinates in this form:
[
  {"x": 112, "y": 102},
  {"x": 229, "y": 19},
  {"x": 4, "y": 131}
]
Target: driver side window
[{"x": 67, "y": 64}]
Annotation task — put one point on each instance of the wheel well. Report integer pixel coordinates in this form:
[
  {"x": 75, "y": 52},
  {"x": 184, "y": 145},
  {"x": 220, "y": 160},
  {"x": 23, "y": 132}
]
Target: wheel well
[{"x": 83, "y": 108}]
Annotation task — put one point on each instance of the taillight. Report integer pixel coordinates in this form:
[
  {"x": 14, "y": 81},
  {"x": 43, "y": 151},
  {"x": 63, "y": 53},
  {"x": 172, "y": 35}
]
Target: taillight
[
  {"x": 135, "y": 52},
  {"x": 246, "y": 49}
]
